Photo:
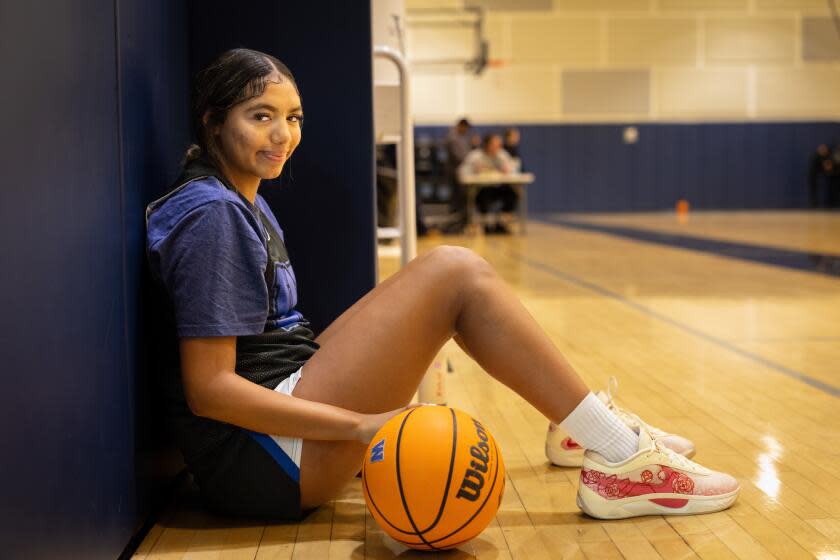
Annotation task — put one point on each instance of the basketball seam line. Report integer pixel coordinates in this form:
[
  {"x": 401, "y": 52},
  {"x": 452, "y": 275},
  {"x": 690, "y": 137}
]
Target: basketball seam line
[
  {"x": 449, "y": 476},
  {"x": 372, "y": 501},
  {"x": 484, "y": 503},
  {"x": 399, "y": 485},
  {"x": 447, "y": 546},
  {"x": 446, "y": 491}
]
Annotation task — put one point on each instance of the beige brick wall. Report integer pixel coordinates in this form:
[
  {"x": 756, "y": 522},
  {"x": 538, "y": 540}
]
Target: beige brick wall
[
  {"x": 527, "y": 94},
  {"x": 706, "y": 60},
  {"x": 798, "y": 92},
  {"x": 663, "y": 40},
  {"x": 751, "y": 40},
  {"x": 791, "y": 5},
  {"x": 612, "y": 5},
  {"x": 555, "y": 39},
  {"x": 702, "y": 93},
  {"x": 702, "y": 5}
]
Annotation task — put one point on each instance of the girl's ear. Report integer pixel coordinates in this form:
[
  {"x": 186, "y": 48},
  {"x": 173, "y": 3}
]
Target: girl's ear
[{"x": 205, "y": 118}]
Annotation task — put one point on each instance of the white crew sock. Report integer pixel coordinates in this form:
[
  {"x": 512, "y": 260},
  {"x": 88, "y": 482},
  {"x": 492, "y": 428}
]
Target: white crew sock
[{"x": 596, "y": 427}]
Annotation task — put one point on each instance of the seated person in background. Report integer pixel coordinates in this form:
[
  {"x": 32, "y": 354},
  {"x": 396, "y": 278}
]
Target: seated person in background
[{"x": 492, "y": 158}]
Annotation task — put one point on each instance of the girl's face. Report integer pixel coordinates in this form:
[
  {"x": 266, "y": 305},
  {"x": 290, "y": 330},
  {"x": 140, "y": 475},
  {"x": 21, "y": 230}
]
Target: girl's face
[{"x": 259, "y": 135}]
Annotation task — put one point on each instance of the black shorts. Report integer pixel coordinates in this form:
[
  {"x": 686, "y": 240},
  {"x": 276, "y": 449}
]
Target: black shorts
[{"x": 240, "y": 477}]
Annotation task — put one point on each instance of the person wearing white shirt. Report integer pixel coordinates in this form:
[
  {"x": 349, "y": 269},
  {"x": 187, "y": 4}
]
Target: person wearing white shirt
[{"x": 497, "y": 200}]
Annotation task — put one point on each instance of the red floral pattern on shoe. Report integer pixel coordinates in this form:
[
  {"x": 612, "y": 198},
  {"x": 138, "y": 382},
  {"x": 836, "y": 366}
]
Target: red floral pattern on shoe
[
  {"x": 682, "y": 484},
  {"x": 613, "y": 487},
  {"x": 590, "y": 477}
]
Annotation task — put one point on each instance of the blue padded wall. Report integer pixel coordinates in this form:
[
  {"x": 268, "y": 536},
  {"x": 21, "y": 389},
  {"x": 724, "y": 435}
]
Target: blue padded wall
[
  {"x": 93, "y": 116},
  {"x": 67, "y": 467},
  {"x": 152, "y": 40},
  {"x": 588, "y": 168}
]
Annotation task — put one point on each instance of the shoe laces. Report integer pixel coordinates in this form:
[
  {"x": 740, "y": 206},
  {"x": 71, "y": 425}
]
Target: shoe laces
[
  {"x": 672, "y": 456},
  {"x": 612, "y": 390},
  {"x": 678, "y": 460},
  {"x": 635, "y": 421}
]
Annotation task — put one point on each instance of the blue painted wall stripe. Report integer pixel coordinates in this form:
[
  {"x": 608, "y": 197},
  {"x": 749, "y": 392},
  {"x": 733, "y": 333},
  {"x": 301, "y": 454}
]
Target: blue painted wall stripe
[
  {"x": 587, "y": 167},
  {"x": 819, "y": 263}
]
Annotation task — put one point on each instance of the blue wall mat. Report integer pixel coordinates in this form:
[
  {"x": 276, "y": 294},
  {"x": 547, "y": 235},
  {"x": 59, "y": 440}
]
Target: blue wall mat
[
  {"x": 325, "y": 198},
  {"x": 588, "y": 168},
  {"x": 67, "y": 466},
  {"x": 154, "y": 79},
  {"x": 95, "y": 122}
]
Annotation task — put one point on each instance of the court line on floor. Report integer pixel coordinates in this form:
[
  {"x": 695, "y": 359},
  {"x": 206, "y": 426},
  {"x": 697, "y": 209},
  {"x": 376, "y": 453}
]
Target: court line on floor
[
  {"x": 786, "y": 339},
  {"x": 817, "y": 263},
  {"x": 580, "y": 282}
]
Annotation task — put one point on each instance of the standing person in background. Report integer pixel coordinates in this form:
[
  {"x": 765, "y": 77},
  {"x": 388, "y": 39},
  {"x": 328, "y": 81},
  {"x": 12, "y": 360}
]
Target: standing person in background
[
  {"x": 821, "y": 165},
  {"x": 511, "y": 144},
  {"x": 832, "y": 171},
  {"x": 458, "y": 143},
  {"x": 457, "y": 147}
]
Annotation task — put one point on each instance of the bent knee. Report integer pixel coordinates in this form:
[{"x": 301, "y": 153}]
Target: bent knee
[{"x": 459, "y": 261}]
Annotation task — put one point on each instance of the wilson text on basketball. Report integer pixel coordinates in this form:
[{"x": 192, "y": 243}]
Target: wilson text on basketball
[{"x": 474, "y": 477}]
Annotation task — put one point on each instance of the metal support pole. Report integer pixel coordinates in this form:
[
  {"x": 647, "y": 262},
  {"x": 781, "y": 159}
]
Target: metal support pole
[
  {"x": 405, "y": 159},
  {"x": 432, "y": 388}
]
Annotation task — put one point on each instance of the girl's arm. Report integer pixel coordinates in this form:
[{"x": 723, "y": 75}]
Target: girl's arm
[{"x": 214, "y": 390}]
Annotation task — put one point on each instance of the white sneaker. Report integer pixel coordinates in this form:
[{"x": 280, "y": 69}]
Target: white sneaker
[
  {"x": 563, "y": 451},
  {"x": 653, "y": 481}
]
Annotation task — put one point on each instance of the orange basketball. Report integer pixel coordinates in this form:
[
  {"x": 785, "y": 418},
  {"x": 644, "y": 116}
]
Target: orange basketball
[{"x": 433, "y": 477}]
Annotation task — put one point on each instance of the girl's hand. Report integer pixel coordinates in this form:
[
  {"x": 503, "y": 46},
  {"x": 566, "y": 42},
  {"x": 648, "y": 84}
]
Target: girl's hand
[{"x": 370, "y": 423}]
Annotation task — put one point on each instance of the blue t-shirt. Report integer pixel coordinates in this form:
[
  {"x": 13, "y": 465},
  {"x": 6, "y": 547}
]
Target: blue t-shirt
[
  {"x": 210, "y": 249},
  {"x": 223, "y": 270}
]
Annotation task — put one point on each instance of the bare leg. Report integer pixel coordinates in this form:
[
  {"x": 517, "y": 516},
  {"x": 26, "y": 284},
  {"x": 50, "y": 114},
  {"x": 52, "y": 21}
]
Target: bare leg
[{"x": 373, "y": 357}]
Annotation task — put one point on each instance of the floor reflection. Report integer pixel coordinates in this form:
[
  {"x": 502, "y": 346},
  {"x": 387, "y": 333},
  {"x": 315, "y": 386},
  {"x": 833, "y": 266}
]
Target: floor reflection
[{"x": 768, "y": 479}]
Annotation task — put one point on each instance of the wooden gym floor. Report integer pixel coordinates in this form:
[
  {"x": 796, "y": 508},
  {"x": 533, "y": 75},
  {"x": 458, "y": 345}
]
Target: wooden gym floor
[{"x": 738, "y": 355}]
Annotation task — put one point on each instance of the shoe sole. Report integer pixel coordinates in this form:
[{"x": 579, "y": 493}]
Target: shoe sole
[
  {"x": 595, "y": 506},
  {"x": 566, "y": 459}
]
